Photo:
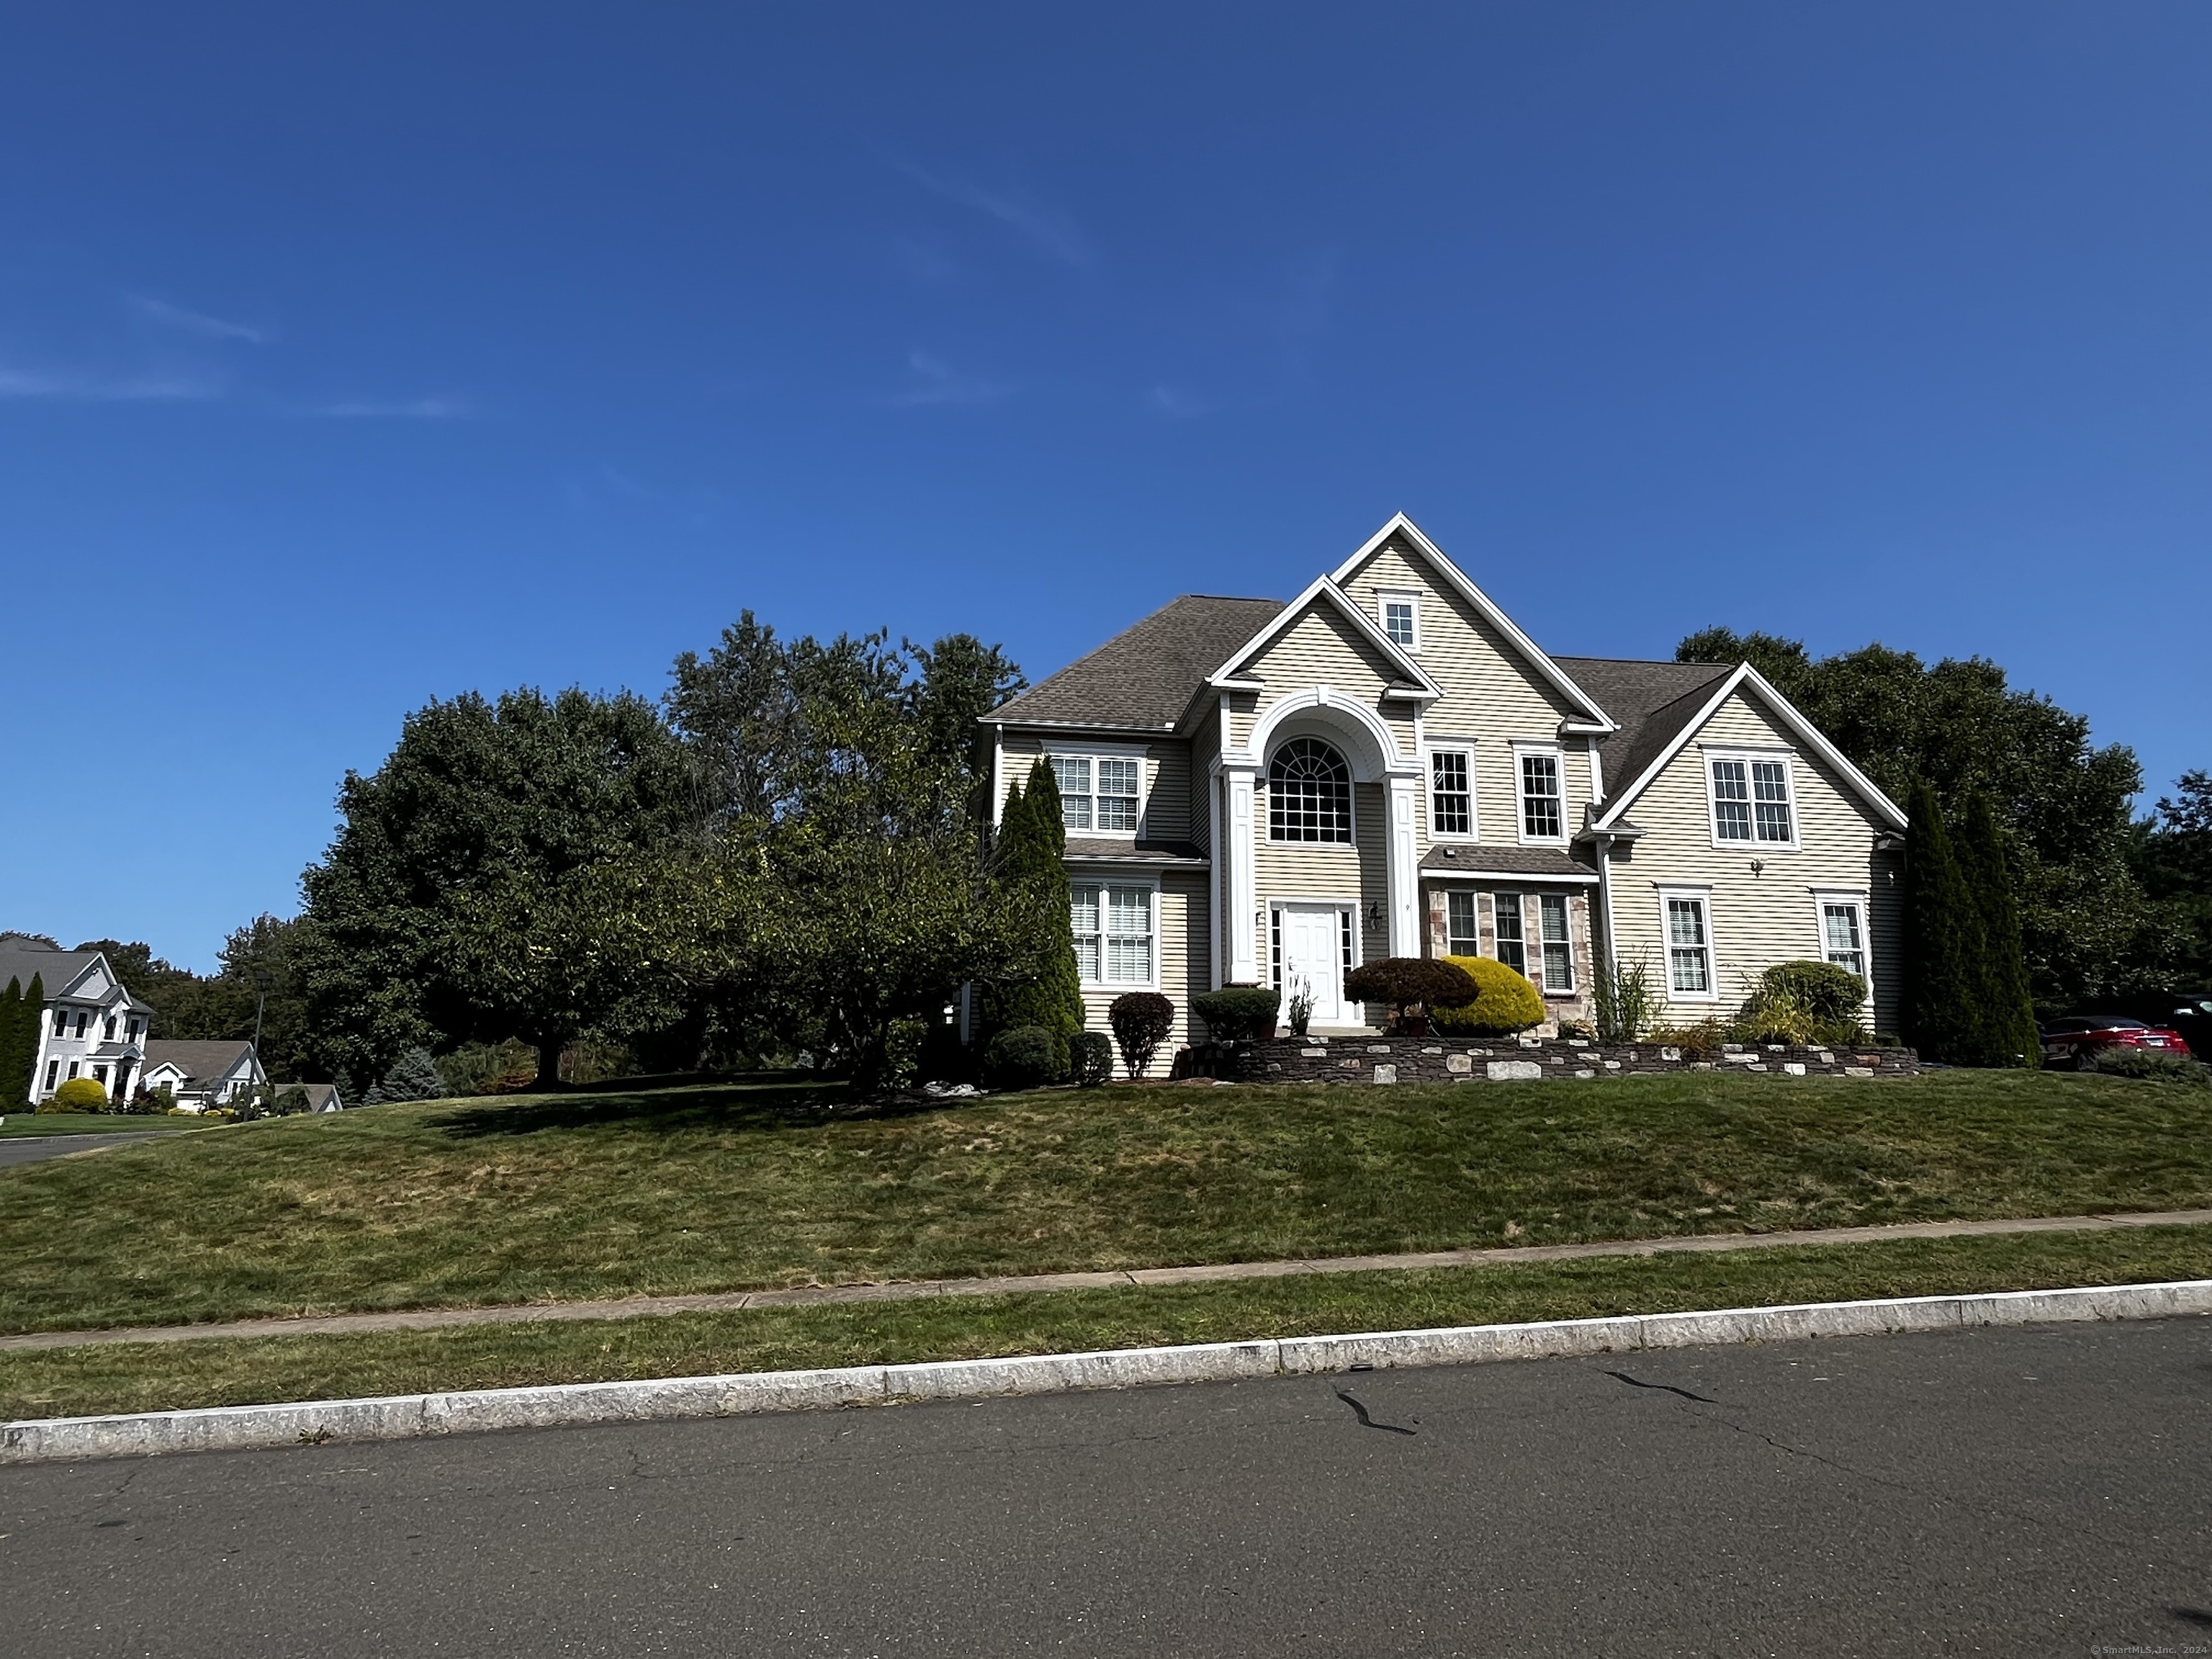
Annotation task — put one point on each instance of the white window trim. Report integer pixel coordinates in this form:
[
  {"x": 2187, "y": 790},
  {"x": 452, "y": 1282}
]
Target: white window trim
[
  {"x": 1754, "y": 846},
  {"x": 1860, "y": 899},
  {"x": 1474, "y": 900},
  {"x": 1573, "y": 987},
  {"x": 1095, "y": 752},
  {"x": 1704, "y": 895},
  {"x": 1101, "y": 882},
  {"x": 1466, "y": 747},
  {"x": 1519, "y": 799},
  {"x": 1383, "y": 599}
]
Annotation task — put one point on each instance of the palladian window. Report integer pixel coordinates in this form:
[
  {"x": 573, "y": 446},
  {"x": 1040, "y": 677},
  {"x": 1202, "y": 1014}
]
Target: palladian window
[{"x": 1308, "y": 794}]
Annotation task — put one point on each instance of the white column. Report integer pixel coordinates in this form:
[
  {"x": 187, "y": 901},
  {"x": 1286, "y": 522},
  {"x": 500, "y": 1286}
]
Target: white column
[
  {"x": 1236, "y": 852},
  {"x": 1404, "y": 794}
]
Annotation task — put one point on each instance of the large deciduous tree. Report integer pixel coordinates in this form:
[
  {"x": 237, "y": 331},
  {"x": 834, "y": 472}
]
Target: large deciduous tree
[{"x": 477, "y": 838}]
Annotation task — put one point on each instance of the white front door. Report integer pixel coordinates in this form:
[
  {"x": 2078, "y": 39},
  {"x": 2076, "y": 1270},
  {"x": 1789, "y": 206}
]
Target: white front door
[{"x": 1313, "y": 958}]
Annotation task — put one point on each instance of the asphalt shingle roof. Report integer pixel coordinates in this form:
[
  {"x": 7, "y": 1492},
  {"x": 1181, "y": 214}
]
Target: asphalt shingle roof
[
  {"x": 1535, "y": 862},
  {"x": 1144, "y": 676},
  {"x": 198, "y": 1061},
  {"x": 1652, "y": 701},
  {"x": 21, "y": 958}
]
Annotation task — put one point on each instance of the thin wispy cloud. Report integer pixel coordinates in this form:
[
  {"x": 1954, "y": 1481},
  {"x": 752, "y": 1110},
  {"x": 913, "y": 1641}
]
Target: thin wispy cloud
[
  {"x": 95, "y": 389},
  {"x": 1178, "y": 404},
  {"x": 935, "y": 382},
  {"x": 419, "y": 409},
  {"x": 1047, "y": 230},
  {"x": 195, "y": 322}
]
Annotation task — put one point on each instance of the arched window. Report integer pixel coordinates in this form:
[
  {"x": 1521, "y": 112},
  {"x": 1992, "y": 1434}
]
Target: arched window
[{"x": 1308, "y": 794}]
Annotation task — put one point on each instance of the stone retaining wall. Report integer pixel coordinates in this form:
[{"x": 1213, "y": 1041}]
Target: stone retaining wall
[{"x": 1372, "y": 1059}]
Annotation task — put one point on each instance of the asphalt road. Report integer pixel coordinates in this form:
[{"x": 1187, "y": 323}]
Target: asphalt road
[
  {"x": 33, "y": 1149},
  {"x": 2036, "y": 1492}
]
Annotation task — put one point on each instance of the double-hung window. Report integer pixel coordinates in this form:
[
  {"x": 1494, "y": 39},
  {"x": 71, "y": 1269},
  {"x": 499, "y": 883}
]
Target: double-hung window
[
  {"x": 1451, "y": 792},
  {"x": 1401, "y": 619},
  {"x": 1543, "y": 808},
  {"x": 61, "y": 1022},
  {"x": 1462, "y": 934},
  {"x": 1512, "y": 942},
  {"x": 1099, "y": 791},
  {"x": 1842, "y": 933},
  {"x": 1559, "y": 948},
  {"x": 1113, "y": 929},
  {"x": 1751, "y": 802},
  {"x": 1689, "y": 945}
]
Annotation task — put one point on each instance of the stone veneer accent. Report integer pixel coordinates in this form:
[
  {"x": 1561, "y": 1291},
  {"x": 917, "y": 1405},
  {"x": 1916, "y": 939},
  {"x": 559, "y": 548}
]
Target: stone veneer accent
[{"x": 1373, "y": 1059}]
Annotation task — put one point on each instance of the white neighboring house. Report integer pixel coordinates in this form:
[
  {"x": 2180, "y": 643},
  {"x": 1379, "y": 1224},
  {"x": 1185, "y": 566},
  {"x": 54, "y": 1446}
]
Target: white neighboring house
[
  {"x": 92, "y": 1026},
  {"x": 198, "y": 1075}
]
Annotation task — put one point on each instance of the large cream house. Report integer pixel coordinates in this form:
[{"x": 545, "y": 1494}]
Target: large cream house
[{"x": 1267, "y": 794}]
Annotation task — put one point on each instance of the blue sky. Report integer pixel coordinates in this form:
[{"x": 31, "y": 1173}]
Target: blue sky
[{"x": 355, "y": 355}]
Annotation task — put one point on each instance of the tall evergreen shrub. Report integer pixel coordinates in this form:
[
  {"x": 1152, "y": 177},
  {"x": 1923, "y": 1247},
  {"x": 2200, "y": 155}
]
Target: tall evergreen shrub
[
  {"x": 2008, "y": 1035},
  {"x": 1031, "y": 867},
  {"x": 1944, "y": 943},
  {"x": 21, "y": 1013}
]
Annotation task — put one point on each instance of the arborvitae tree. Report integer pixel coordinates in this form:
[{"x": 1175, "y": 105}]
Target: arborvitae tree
[
  {"x": 19, "y": 1046},
  {"x": 2008, "y": 1033},
  {"x": 1944, "y": 943},
  {"x": 1031, "y": 867},
  {"x": 413, "y": 1076}
]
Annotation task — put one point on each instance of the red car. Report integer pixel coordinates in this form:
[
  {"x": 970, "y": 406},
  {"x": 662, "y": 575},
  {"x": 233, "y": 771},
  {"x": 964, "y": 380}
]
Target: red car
[{"x": 2066, "y": 1042}]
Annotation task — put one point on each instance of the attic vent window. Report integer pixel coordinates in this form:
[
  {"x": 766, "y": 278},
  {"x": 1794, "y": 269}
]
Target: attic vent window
[{"x": 1401, "y": 620}]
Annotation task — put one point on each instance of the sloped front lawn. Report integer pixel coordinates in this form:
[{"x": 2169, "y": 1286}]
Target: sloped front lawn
[{"x": 715, "y": 1188}]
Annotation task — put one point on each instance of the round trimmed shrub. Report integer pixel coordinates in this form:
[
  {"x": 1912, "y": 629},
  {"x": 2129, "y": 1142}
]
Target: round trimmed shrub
[
  {"x": 1141, "y": 1021},
  {"x": 1829, "y": 995},
  {"x": 1237, "y": 1013},
  {"x": 1023, "y": 1057},
  {"x": 1432, "y": 983},
  {"x": 79, "y": 1094},
  {"x": 1090, "y": 1059},
  {"x": 1504, "y": 1001}
]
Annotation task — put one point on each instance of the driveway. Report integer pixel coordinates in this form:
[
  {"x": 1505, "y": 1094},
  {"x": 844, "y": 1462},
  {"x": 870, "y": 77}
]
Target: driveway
[
  {"x": 35, "y": 1149},
  {"x": 2045, "y": 1491}
]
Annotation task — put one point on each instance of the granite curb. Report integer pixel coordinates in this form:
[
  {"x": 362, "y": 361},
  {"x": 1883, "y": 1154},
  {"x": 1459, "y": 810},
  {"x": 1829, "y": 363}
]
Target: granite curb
[{"x": 404, "y": 1417}]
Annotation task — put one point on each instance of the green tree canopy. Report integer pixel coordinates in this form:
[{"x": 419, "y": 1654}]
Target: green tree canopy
[
  {"x": 483, "y": 810},
  {"x": 2062, "y": 803}
]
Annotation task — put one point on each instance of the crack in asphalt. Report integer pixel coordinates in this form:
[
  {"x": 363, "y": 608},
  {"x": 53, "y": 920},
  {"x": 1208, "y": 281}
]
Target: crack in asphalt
[{"x": 1367, "y": 1422}]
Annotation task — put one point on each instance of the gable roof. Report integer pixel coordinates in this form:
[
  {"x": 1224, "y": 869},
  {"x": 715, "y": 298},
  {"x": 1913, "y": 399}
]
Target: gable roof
[
  {"x": 1661, "y": 749},
  {"x": 1144, "y": 676},
  {"x": 199, "y": 1061},
  {"x": 1546, "y": 666},
  {"x": 1413, "y": 678},
  {"x": 21, "y": 956}
]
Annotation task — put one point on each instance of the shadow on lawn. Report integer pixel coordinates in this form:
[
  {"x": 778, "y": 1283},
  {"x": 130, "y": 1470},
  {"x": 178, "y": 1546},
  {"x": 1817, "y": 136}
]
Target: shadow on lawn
[{"x": 782, "y": 1102}]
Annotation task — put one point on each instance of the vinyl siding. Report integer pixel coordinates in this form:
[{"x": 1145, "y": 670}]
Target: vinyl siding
[
  {"x": 1757, "y": 921},
  {"x": 1322, "y": 648},
  {"x": 1166, "y": 810},
  {"x": 1492, "y": 696}
]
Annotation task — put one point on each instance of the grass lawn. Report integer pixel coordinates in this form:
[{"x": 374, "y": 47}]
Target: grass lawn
[
  {"x": 529, "y": 1198},
  {"x": 78, "y": 1123},
  {"x": 151, "y": 1376}
]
